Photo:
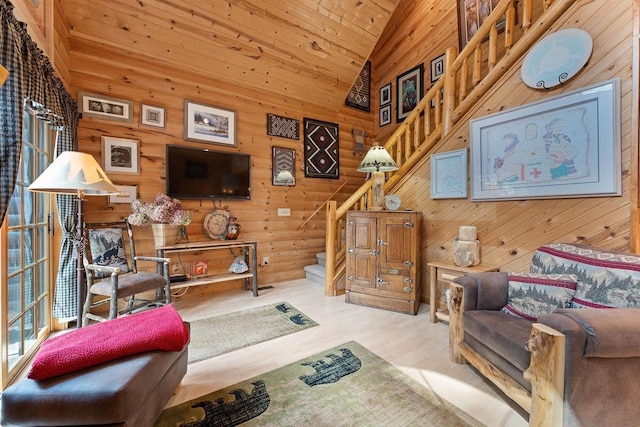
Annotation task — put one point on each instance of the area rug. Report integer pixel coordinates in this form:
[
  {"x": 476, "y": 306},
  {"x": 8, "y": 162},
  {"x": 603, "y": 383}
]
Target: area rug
[
  {"x": 228, "y": 332},
  {"x": 345, "y": 385}
]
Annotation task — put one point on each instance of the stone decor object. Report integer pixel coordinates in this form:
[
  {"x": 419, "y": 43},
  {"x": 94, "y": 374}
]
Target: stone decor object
[{"x": 466, "y": 247}]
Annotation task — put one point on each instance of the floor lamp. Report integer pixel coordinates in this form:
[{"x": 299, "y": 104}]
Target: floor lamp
[
  {"x": 77, "y": 173},
  {"x": 377, "y": 162}
]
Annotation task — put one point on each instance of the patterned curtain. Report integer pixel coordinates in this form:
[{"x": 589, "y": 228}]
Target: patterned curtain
[{"x": 31, "y": 84}]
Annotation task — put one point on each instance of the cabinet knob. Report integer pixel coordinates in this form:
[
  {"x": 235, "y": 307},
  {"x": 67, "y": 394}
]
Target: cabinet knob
[
  {"x": 408, "y": 263},
  {"x": 408, "y": 289},
  {"x": 379, "y": 281},
  {"x": 382, "y": 243}
]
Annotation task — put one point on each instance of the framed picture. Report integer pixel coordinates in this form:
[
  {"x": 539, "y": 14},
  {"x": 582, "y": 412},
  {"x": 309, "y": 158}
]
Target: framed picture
[
  {"x": 472, "y": 14},
  {"x": 283, "y": 127},
  {"x": 283, "y": 164},
  {"x": 120, "y": 155},
  {"x": 409, "y": 91},
  {"x": 449, "y": 175},
  {"x": 105, "y": 107},
  {"x": 385, "y": 115},
  {"x": 321, "y": 149},
  {"x": 152, "y": 116},
  {"x": 437, "y": 68},
  {"x": 126, "y": 194},
  {"x": 564, "y": 146},
  {"x": 360, "y": 94},
  {"x": 385, "y": 94},
  {"x": 206, "y": 123}
]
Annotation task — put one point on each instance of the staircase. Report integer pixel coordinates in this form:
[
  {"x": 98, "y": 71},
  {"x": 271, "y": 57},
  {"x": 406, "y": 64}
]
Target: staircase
[
  {"x": 316, "y": 272},
  {"x": 467, "y": 77}
]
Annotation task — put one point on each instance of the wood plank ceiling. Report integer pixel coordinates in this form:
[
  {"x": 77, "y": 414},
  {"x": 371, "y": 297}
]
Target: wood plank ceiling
[{"x": 309, "y": 50}]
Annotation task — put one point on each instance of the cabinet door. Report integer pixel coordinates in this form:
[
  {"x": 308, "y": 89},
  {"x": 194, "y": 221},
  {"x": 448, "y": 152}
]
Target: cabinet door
[
  {"x": 396, "y": 265},
  {"x": 361, "y": 251}
]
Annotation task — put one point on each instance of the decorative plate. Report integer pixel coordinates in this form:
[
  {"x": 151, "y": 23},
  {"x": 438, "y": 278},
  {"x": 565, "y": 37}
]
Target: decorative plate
[
  {"x": 392, "y": 202},
  {"x": 215, "y": 224},
  {"x": 556, "y": 58}
]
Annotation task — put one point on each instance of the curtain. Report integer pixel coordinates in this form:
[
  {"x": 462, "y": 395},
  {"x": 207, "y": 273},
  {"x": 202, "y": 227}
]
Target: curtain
[{"x": 31, "y": 84}]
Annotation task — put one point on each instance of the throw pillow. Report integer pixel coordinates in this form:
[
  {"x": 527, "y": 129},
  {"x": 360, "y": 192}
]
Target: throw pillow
[
  {"x": 107, "y": 248},
  {"x": 606, "y": 279},
  {"x": 532, "y": 295}
]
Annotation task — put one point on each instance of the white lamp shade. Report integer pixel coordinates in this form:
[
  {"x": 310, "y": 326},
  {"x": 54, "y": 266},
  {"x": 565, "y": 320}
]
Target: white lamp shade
[
  {"x": 74, "y": 172},
  {"x": 377, "y": 160}
]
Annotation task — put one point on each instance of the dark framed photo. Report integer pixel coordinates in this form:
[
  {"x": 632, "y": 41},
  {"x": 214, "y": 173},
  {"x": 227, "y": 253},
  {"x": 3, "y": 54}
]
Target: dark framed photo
[
  {"x": 385, "y": 94},
  {"x": 385, "y": 115},
  {"x": 437, "y": 68},
  {"x": 283, "y": 169},
  {"x": 409, "y": 91},
  {"x": 120, "y": 155}
]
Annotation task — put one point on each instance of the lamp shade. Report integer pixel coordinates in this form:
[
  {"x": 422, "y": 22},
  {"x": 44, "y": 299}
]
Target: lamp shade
[
  {"x": 74, "y": 172},
  {"x": 377, "y": 159}
]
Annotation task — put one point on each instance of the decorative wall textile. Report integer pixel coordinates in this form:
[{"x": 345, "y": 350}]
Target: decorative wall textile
[
  {"x": 360, "y": 93},
  {"x": 283, "y": 127},
  {"x": 32, "y": 84},
  {"x": 321, "y": 149}
]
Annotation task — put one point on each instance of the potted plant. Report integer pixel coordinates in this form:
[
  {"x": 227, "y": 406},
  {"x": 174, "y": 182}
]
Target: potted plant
[{"x": 166, "y": 216}]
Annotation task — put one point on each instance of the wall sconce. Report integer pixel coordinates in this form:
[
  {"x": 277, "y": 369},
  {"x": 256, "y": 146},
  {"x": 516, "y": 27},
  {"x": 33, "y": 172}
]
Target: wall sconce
[{"x": 377, "y": 162}]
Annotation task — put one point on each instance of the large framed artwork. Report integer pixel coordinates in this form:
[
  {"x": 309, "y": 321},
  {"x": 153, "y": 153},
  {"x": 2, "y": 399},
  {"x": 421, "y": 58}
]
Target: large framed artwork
[
  {"x": 105, "y": 107},
  {"x": 564, "y": 146},
  {"x": 449, "y": 175},
  {"x": 120, "y": 155},
  {"x": 360, "y": 94},
  {"x": 321, "y": 149},
  {"x": 409, "y": 91},
  {"x": 206, "y": 123}
]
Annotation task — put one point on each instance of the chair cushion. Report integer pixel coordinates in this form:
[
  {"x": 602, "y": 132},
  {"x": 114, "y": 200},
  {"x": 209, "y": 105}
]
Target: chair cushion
[
  {"x": 130, "y": 284},
  {"x": 504, "y": 334},
  {"x": 532, "y": 295},
  {"x": 107, "y": 248}
]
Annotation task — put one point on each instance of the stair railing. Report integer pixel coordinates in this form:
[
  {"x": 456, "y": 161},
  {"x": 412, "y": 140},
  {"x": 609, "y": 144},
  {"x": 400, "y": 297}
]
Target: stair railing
[{"x": 468, "y": 75}]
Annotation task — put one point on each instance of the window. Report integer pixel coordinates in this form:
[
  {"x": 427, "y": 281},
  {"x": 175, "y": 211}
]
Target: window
[{"x": 25, "y": 246}]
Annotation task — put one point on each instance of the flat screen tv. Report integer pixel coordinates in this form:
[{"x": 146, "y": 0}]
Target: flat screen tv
[{"x": 198, "y": 173}]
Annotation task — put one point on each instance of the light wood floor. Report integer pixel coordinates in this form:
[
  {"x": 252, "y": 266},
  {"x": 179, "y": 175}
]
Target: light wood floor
[{"x": 411, "y": 343}]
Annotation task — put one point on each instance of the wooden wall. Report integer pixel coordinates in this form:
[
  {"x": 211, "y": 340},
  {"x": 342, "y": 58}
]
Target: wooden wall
[
  {"x": 122, "y": 75},
  {"x": 510, "y": 231}
]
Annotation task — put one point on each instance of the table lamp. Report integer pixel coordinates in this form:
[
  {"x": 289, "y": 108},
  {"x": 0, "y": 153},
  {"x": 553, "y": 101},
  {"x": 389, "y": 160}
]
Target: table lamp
[
  {"x": 78, "y": 173},
  {"x": 377, "y": 162}
]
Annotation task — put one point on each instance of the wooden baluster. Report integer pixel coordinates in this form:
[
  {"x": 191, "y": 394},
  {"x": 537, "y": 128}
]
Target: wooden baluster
[
  {"x": 437, "y": 104},
  {"x": 477, "y": 66},
  {"x": 427, "y": 121},
  {"x": 510, "y": 25},
  {"x": 527, "y": 14},
  {"x": 330, "y": 245},
  {"x": 416, "y": 136},
  {"x": 493, "y": 46},
  {"x": 464, "y": 80}
]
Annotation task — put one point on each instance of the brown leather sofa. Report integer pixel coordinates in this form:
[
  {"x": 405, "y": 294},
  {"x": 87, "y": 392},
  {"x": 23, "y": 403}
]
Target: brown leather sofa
[{"x": 572, "y": 367}]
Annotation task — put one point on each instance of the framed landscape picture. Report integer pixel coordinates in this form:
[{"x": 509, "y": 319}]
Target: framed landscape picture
[{"x": 206, "y": 123}]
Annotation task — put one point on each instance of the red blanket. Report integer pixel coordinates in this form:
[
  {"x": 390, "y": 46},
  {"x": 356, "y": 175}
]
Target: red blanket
[{"x": 158, "y": 329}]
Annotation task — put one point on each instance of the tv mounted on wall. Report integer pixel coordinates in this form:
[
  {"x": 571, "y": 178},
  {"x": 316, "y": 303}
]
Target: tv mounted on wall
[{"x": 198, "y": 173}]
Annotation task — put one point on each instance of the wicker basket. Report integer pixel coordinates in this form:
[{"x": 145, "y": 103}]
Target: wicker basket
[{"x": 165, "y": 234}]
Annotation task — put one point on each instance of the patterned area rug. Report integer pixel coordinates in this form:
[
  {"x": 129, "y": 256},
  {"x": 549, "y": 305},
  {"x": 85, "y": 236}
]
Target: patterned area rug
[
  {"x": 228, "y": 332},
  {"x": 346, "y": 385}
]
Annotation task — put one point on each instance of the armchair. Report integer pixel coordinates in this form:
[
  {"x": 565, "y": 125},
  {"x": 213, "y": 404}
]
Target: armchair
[{"x": 110, "y": 273}]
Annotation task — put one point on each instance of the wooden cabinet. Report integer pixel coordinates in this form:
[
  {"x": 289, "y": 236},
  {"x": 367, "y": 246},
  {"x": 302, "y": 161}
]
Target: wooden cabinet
[
  {"x": 382, "y": 260},
  {"x": 441, "y": 275}
]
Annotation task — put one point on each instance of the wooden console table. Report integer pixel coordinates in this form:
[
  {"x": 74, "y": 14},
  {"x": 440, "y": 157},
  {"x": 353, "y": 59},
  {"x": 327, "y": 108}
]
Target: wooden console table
[
  {"x": 441, "y": 274},
  {"x": 249, "y": 247}
]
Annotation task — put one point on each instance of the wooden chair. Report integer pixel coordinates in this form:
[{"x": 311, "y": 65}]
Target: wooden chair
[{"x": 110, "y": 273}]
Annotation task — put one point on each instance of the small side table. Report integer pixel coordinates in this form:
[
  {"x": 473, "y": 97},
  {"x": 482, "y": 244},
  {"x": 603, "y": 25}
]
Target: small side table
[{"x": 441, "y": 275}]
